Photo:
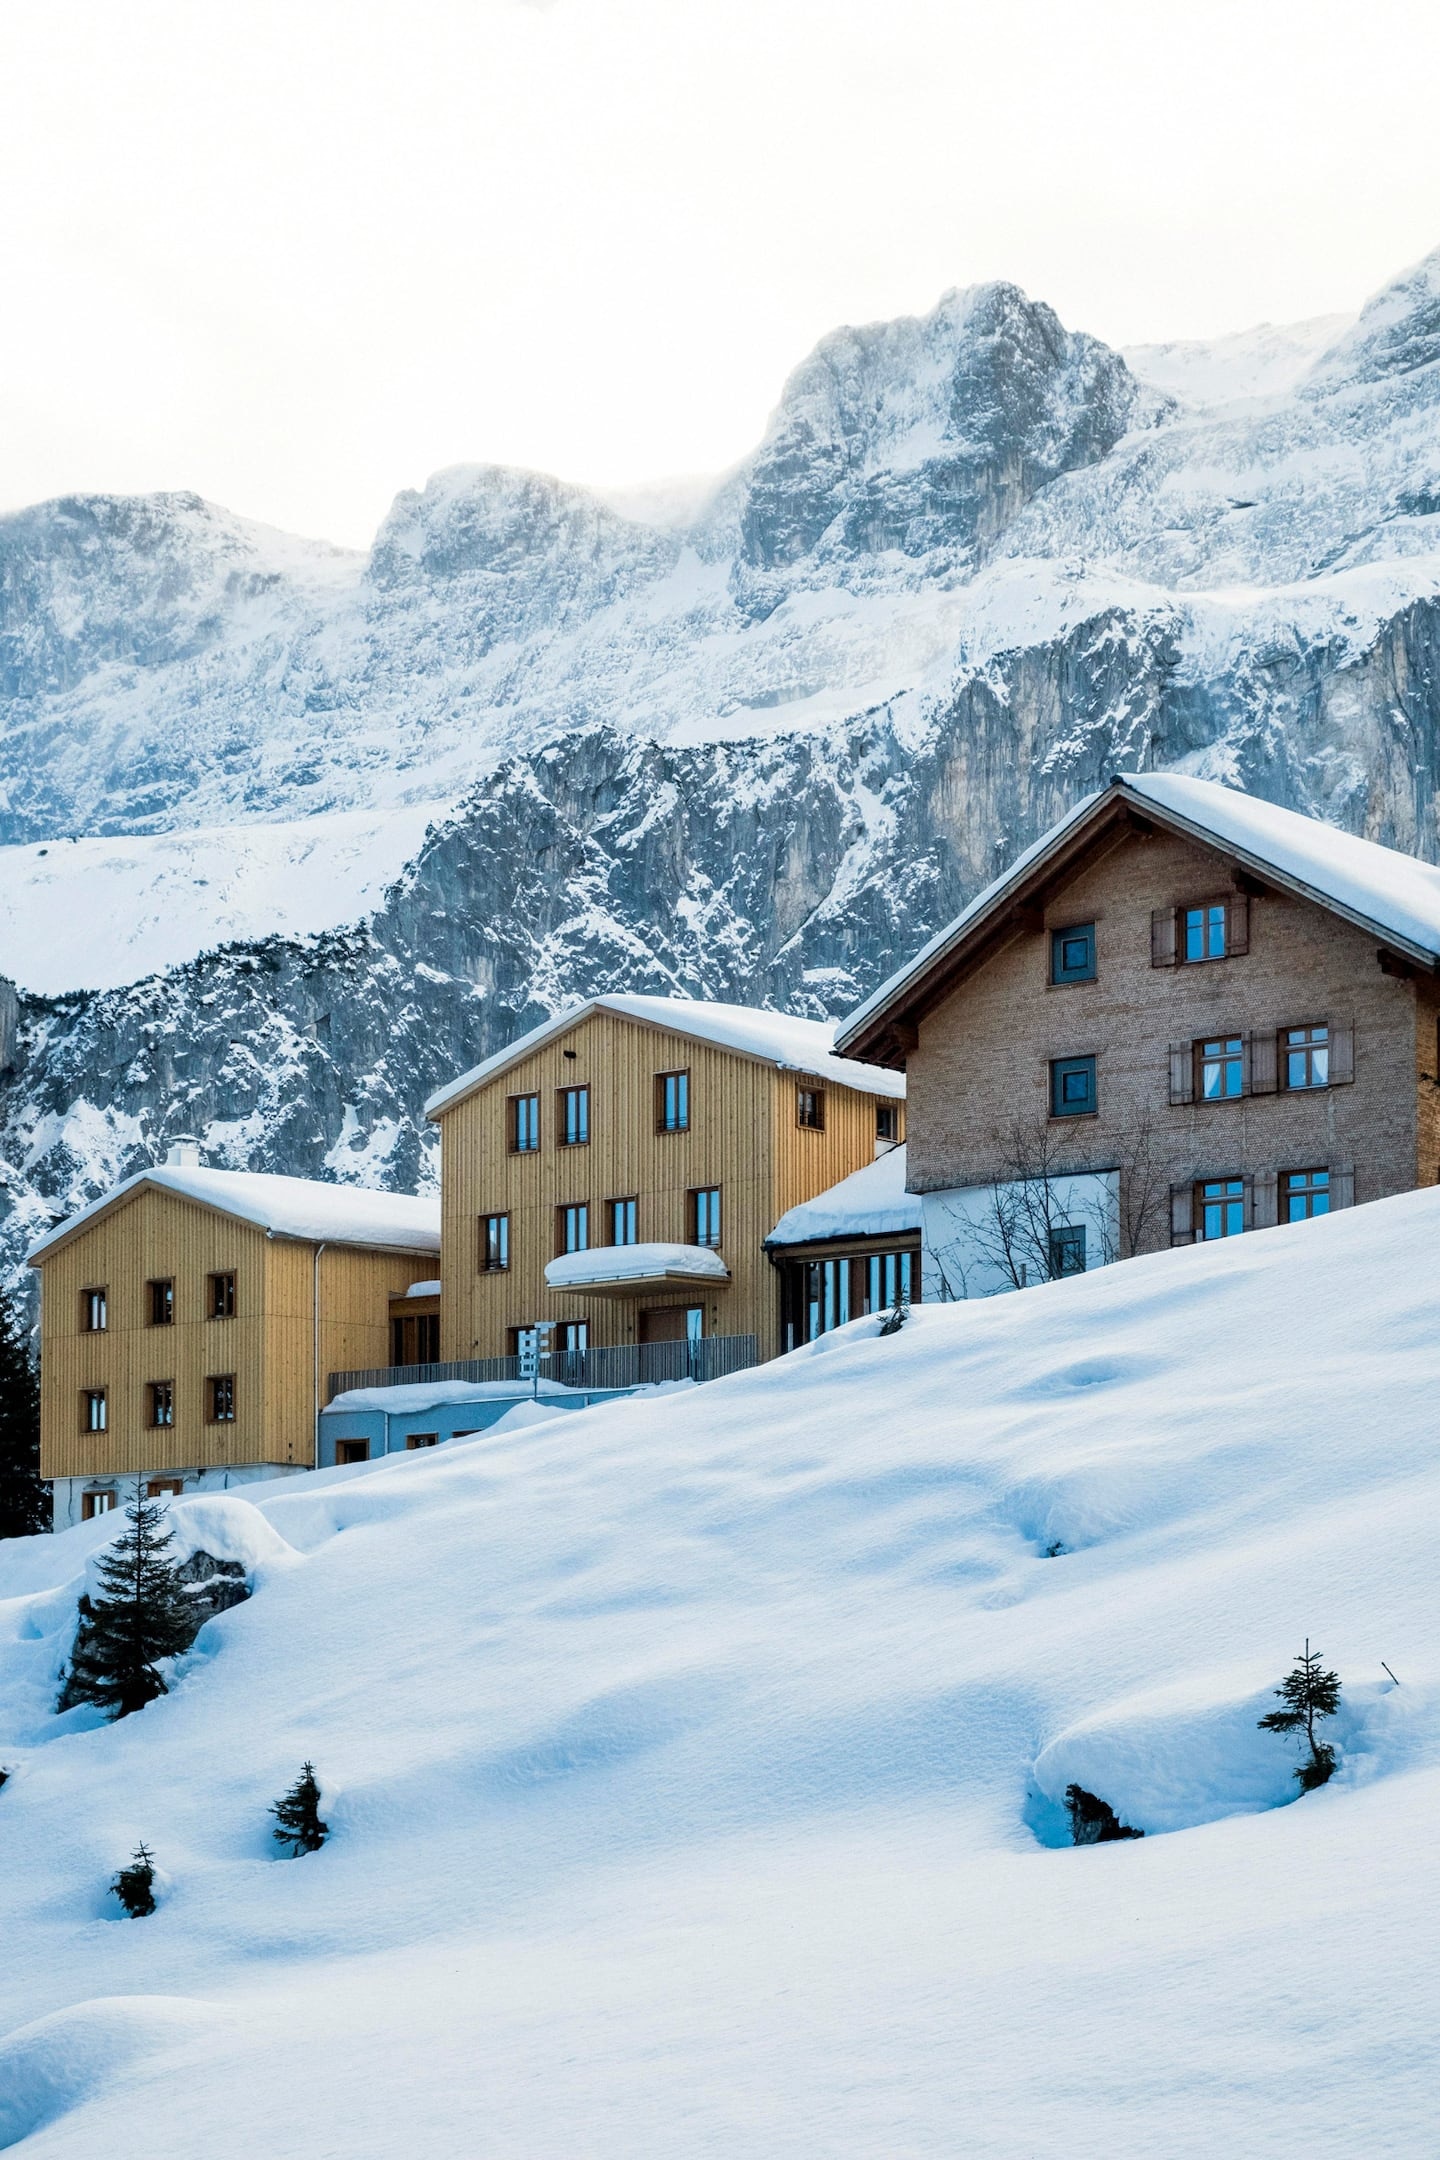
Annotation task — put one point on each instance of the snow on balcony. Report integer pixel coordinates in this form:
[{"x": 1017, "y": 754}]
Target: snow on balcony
[{"x": 628, "y": 1270}]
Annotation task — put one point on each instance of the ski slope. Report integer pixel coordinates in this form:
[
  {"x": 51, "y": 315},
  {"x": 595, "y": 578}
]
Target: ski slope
[{"x": 693, "y": 1763}]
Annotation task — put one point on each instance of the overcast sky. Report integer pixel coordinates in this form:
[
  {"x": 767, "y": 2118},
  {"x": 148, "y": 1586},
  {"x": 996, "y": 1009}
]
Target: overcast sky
[{"x": 297, "y": 254}]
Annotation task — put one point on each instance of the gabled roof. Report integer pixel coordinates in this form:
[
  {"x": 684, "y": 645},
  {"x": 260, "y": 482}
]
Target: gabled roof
[
  {"x": 871, "y": 1202},
  {"x": 1391, "y": 896},
  {"x": 289, "y": 1207},
  {"x": 773, "y": 1038}
]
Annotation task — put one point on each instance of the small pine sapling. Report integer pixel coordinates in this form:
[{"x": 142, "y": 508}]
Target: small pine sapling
[
  {"x": 894, "y": 1321},
  {"x": 297, "y": 1816},
  {"x": 1308, "y": 1692},
  {"x": 135, "y": 1885},
  {"x": 1092, "y": 1820},
  {"x": 142, "y": 1616}
]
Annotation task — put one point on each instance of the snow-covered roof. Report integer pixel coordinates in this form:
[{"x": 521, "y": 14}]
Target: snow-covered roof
[
  {"x": 776, "y": 1038},
  {"x": 871, "y": 1202},
  {"x": 635, "y": 1263},
  {"x": 1391, "y": 894},
  {"x": 284, "y": 1206}
]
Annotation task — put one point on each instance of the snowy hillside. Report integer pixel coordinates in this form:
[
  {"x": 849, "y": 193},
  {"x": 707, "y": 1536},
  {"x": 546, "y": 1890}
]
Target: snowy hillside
[{"x": 693, "y": 1765}]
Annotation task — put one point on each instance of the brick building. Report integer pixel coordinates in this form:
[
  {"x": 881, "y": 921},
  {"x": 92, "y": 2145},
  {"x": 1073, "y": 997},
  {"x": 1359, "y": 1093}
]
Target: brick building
[{"x": 1182, "y": 1014}]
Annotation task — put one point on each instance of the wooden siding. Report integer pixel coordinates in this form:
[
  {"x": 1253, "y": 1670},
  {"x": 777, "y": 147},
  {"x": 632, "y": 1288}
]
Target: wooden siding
[
  {"x": 743, "y": 1137},
  {"x": 268, "y": 1345}
]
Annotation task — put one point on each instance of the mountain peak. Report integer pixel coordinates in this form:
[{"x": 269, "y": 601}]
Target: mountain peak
[{"x": 1396, "y": 332}]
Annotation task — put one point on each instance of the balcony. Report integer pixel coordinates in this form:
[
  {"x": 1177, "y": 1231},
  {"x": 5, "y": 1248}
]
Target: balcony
[
  {"x": 630, "y": 1271},
  {"x": 613, "y": 1365}
]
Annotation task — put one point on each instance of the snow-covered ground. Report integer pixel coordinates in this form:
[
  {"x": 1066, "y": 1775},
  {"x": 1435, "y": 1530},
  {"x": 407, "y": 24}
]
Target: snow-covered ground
[
  {"x": 693, "y": 1764},
  {"x": 91, "y": 914}
]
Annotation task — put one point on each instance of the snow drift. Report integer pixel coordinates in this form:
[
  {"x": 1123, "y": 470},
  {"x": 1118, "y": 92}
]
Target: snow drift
[{"x": 694, "y": 1763}]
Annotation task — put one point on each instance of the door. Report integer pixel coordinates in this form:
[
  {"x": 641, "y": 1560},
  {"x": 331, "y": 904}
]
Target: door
[{"x": 672, "y": 1323}]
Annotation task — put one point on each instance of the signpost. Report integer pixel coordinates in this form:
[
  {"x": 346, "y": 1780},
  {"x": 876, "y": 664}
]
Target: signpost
[{"x": 534, "y": 1345}]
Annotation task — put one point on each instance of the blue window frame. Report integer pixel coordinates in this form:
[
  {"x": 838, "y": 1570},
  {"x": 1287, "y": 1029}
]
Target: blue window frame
[
  {"x": 1072, "y": 954},
  {"x": 1222, "y": 1068},
  {"x": 1072, "y": 1087},
  {"x": 1222, "y": 1208},
  {"x": 1304, "y": 1193},
  {"x": 1067, "y": 1250},
  {"x": 1205, "y": 932}
]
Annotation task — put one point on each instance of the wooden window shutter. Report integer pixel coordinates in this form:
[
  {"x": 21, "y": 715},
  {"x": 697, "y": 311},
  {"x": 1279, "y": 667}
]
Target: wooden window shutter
[
  {"x": 1182, "y": 1215},
  {"x": 1265, "y": 1209},
  {"x": 1237, "y": 924},
  {"x": 1164, "y": 939},
  {"x": 1182, "y": 1072},
  {"x": 1342, "y": 1186},
  {"x": 1342, "y": 1052},
  {"x": 1264, "y": 1062}
]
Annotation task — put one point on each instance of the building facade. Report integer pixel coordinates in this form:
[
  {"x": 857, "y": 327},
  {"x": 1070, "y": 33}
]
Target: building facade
[
  {"x": 190, "y": 1318},
  {"x": 1182, "y": 1015},
  {"x": 852, "y": 1250},
  {"x": 615, "y": 1173}
]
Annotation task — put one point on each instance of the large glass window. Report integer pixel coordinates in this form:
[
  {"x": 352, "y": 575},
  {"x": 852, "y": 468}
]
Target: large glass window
[
  {"x": 1203, "y": 932},
  {"x": 887, "y": 1280},
  {"x": 572, "y": 1228},
  {"x": 1304, "y": 1193},
  {"x": 624, "y": 1227},
  {"x": 524, "y": 1124},
  {"x": 672, "y": 1102},
  {"x": 1220, "y": 1208},
  {"x": 1222, "y": 1068},
  {"x": 1307, "y": 1057},
  {"x": 1072, "y": 954},
  {"x": 1072, "y": 1087},
  {"x": 574, "y": 1337},
  {"x": 705, "y": 1215},
  {"x": 574, "y": 1116}
]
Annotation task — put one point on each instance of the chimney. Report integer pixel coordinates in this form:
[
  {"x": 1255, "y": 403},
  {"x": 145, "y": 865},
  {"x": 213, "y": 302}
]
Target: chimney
[{"x": 183, "y": 1155}]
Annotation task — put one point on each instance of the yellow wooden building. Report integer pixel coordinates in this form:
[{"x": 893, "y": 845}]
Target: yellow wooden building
[
  {"x": 189, "y": 1320},
  {"x": 616, "y": 1172}
]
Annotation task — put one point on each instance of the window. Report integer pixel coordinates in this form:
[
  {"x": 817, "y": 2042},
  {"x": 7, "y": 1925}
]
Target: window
[
  {"x": 164, "y": 1488},
  {"x": 162, "y": 1402},
  {"x": 524, "y": 1124},
  {"x": 348, "y": 1451},
  {"x": 220, "y": 1393},
  {"x": 810, "y": 1108},
  {"x": 494, "y": 1244},
  {"x": 162, "y": 1303},
  {"x": 415, "y": 1339},
  {"x": 94, "y": 1414},
  {"x": 887, "y": 1123},
  {"x": 705, "y": 1215},
  {"x": 887, "y": 1281},
  {"x": 574, "y": 1336},
  {"x": 624, "y": 1229},
  {"x": 572, "y": 1228},
  {"x": 574, "y": 1117},
  {"x": 672, "y": 1102},
  {"x": 1220, "y": 1208},
  {"x": 1067, "y": 1250},
  {"x": 1072, "y": 954},
  {"x": 1222, "y": 1068},
  {"x": 1204, "y": 929},
  {"x": 422, "y": 1439},
  {"x": 94, "y": 1312},
  {"x": 1072, "y": 1087},
  {"x": 1307, "y": 1059},
  {"x": 95, "y": 1503},
  {"x": 221, "y": 1301},
  {"x": 1304, "y": 1193}
]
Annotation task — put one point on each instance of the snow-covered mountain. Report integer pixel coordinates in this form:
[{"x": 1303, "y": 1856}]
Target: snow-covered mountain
[
  {"x": 756, "y": 748},
  {"x": 694, "y": 1766}
]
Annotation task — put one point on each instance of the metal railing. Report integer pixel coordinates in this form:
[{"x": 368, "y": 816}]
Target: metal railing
[{"x": 611, "y": 1365}]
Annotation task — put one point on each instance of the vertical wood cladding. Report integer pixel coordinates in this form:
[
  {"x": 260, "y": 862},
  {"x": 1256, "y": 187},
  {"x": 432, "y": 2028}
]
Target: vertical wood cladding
[
  {"x": 268, "y": 1344},
  {"x": 984, "y": 1055},
  {"x": 742, "y": 1137}
]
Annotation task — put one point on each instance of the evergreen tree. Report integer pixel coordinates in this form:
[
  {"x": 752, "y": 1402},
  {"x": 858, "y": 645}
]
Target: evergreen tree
[
  {"x": 24, "y": 1495},
  {"x": 297, "y": 1816},
  {"x": 135, "y": 1885},
  {"x": 142, "y": 1616},
  {"x": 1308, "y": 1692}
]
